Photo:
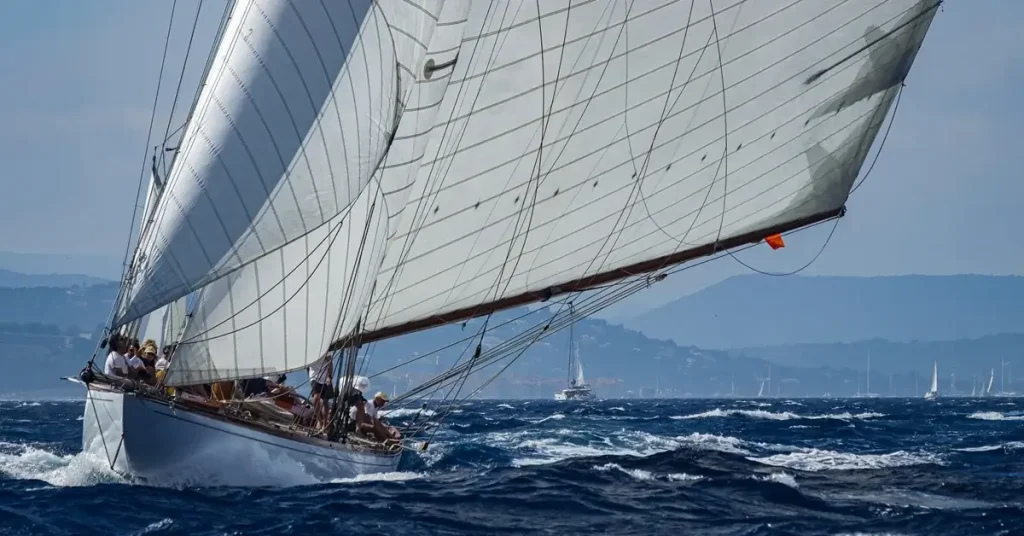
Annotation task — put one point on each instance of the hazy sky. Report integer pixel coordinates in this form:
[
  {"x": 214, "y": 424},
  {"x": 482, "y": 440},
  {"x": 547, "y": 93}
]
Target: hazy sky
[{"x": 945, "y": 196}]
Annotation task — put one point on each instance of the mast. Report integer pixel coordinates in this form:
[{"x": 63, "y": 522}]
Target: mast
[
  {"x": 570, "y": 380},
  {"x": 868, "y": 376}
]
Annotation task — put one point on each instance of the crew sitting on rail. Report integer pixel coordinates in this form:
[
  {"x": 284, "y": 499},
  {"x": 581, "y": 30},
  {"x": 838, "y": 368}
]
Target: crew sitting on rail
[
  {"x": 380, "y": 423},
  {"x": 116, "y": 364},
  {"x": 361, "y": 422}
]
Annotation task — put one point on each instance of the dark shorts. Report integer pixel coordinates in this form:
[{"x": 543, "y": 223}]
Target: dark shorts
[{"x": 325, "y": 390}]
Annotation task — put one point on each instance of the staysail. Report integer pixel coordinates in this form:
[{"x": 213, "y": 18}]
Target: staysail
[
  {"x": 293, "y": 120},
  {"x": 282, "y": 311},
  {"x": 366, "y": 169}
]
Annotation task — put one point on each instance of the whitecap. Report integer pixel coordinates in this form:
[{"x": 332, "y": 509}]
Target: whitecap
[
  {"x": 775, "y": 416},
  {"x": 994, "y": 416},
  {"x": 396, "y": 476},
  {"x": 829, "y": 460}
]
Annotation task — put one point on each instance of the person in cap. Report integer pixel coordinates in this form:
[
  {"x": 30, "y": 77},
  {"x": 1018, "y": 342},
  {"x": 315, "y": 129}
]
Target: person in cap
[
  {"x": 381, "y": 427},
  {"x": 379, "y": 400}
]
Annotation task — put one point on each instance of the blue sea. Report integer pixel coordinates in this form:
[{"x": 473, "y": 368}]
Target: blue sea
[{"x": 715, "y": 467}]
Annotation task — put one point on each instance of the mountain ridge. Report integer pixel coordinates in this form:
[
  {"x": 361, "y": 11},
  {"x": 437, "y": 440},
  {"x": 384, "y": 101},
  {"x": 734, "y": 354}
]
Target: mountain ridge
[{"x": 757, "y": 310}]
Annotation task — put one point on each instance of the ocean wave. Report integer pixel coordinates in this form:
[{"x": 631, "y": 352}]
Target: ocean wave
[
  {"x": 641, "y": 474},
  {"x": 1011, "y": 445},
  {"x": 775, "y": 416},
  {"x": 814, "y": 460},
  {"x": 995, "y": 416},
  {"x": 397, "y": 476},
  {"x": 26, "y": 462}
]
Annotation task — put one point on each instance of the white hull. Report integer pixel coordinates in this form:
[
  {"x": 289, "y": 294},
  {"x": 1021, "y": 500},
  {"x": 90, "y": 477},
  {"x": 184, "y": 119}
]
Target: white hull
[
  {"x": 575, "y": 394},
  {"x": 931, "y": 395},
  {"x": 153, "y": 440}
]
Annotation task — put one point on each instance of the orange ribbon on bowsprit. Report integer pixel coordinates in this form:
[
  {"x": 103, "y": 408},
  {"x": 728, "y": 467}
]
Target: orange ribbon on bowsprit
[{"x": 775, "y": 241}]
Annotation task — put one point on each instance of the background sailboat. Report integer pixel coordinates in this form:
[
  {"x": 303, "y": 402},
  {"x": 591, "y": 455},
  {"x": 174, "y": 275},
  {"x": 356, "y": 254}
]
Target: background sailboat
[
  {"x": 933, "y": 390},
  {"x": 355, "y": 171}
]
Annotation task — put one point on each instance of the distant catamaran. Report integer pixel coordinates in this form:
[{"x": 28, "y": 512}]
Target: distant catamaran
[
  {"x": 353, "y": 171},
  {"x": 933, "y": 391},
  {"x": 577, "y": 388}
]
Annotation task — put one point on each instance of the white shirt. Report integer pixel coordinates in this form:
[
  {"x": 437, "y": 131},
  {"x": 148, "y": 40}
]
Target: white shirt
[
  {"x": 371, "y": 409},
  {"x": 115, "y": 361},
  {"x": 162, "y": 364},
  {"x": 136, "y": 362}
]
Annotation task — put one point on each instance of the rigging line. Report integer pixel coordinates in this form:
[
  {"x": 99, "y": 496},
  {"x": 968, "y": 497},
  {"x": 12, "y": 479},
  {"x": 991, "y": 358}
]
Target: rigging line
[
  {"x": 892, "y": 119},
  {"x": 181, "y": 78},
  {"x": 452, "y": 345},
  {"x": 465, "y": 376},
  {"x": 598, "y": 301},
  {"x": 145, "y": 155},
  {"x": 476, "y": 355},
  {"x": 798, "y": 270},
  {"x": 627, "y": 288}
]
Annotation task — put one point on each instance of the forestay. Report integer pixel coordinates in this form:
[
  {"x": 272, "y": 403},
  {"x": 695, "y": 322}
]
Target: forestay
[
  {"x": 596, "y": 139},
  {"x": 292, "y": 121},
  {"x": 282, "y": 311}
]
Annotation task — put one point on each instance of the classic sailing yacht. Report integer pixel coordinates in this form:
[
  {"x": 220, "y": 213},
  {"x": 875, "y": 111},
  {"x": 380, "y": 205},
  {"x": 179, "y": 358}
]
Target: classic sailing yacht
[
  {"x": 352, "y": 171},
  {"x": 933, "y": 391}
]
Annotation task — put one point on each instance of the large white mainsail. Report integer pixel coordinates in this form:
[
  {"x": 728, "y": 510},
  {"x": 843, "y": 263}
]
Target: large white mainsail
[
  {"x": 283, "y": 310},
  {"x": 292, "y": 121},
  {"x": 594, "y": 140}
]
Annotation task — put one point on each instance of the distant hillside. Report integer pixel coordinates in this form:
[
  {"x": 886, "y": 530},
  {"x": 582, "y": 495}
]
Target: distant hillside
[
  {"x": 617, "y": 361},
  {"x": 966, "y": 359},
  {"x": 756, "y": 310},
  {"x": 84, "y": 307},
  {"x": 17, "y": 279},
  {"x": 98, "y": 266}
]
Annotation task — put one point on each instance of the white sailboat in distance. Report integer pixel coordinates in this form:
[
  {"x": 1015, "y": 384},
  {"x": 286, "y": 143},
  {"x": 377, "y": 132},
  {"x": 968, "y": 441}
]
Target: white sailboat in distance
[
  {"x": 577, "y": 388},
  {"x": 933, "y": 390},
  {"x": 352, "y": 171}
]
